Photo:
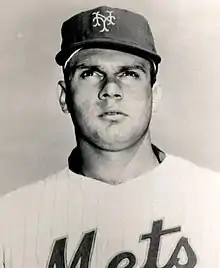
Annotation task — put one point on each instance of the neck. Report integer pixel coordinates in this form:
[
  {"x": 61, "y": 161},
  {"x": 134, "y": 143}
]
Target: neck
[{"x": 116, "y": 167}]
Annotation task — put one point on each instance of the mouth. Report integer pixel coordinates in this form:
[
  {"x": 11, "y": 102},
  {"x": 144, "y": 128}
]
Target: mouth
[{"x": 113, "y": 115}]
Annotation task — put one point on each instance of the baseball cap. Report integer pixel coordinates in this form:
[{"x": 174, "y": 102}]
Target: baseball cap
[{"x": 110, "y": 28}]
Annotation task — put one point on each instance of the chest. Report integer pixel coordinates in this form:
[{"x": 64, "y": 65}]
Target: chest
[{"x": 91, "y": 228}]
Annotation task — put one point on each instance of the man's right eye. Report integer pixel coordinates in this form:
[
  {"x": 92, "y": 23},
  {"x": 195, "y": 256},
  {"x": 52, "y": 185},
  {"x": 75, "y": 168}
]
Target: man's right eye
[{"x": 89, "y": 73}]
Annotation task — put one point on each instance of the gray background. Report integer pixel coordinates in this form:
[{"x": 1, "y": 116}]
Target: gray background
[{"x": 36, "y": 137}]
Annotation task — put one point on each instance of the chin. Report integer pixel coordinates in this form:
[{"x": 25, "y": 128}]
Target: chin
[
  {"x": 114, "y": 138},
  {"x": 115, "y": 145},
  {"x": 111, "y": 147}
]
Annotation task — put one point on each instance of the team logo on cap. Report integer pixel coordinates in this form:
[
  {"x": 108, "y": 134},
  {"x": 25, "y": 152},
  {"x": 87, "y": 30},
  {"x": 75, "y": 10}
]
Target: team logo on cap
[{"x": 103, "y": 21}]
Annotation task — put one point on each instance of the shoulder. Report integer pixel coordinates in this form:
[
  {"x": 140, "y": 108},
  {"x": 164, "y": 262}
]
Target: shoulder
[
  {"x": 28, "y": 204},
  {"x": 191, "y": 173},
  {"x": 187, "y": 165},
  {"x": 28, "y": 194}
]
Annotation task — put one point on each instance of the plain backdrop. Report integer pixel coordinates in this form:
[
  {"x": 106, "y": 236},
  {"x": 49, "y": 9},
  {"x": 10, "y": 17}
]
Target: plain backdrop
[{"x": 36, "y": 137}]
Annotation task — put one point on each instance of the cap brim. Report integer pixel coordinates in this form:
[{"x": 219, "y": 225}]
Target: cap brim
[{"x": 123, "y": 46}]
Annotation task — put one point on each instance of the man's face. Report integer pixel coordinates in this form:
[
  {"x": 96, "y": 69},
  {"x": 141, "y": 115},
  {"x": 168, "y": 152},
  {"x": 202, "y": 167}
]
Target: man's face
[{"x": 109, "y": 97}]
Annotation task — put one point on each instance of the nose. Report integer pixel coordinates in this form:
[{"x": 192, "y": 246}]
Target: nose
[{"x": 110, "y": 91}]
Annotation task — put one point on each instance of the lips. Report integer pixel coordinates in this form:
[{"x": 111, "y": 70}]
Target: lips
[
  {"x": 113, "y": 116},
  {"x": 112, "y": 113}
]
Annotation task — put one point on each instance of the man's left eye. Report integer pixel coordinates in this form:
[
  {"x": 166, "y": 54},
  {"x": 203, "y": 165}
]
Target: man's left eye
[{"x": 130, "y": 73}]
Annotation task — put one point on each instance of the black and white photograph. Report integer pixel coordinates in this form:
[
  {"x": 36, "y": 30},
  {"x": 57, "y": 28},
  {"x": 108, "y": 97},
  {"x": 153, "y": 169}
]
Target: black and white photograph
[{"x": 110, "y": 126}]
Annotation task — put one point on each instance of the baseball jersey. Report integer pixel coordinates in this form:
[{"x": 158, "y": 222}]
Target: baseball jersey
[{"x": 165, "y": 218}]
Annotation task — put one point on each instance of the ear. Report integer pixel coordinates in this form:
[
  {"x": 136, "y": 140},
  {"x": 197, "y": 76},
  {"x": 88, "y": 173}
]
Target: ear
[
  {"x": 62, "y": 96},
  {"x": 157, "y": 96}
]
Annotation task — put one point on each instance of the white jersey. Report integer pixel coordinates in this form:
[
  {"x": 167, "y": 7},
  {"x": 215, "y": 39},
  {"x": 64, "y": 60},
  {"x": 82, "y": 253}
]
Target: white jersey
[{"x": 165, "y": 218}]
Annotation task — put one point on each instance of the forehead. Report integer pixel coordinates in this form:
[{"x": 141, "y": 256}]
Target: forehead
[{"x": 96, "y": 56}]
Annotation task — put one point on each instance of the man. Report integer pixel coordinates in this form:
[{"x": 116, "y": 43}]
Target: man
[{"x": 121, "y": 202}]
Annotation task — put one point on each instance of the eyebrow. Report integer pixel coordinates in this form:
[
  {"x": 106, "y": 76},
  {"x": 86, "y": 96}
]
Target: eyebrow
[
  {"x": 123, "y": 68},
  {"x": 132, "y": 67},
  {"x": 85, "y": 66}
]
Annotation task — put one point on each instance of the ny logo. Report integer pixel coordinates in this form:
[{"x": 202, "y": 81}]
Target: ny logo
[{"x": 103, "y": 21}]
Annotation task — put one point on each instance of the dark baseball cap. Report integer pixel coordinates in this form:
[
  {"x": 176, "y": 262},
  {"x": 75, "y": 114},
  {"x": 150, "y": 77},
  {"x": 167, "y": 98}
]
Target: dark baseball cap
[{"x": 110, "y": 28}]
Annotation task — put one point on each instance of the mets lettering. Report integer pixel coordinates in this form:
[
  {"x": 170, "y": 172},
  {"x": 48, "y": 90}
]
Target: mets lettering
[{"x": 83, "y": 254}]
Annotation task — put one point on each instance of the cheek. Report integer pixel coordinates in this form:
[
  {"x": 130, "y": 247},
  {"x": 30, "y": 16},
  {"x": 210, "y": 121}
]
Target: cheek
[
  {"x": 139, "y": 100},
  {"x": 138, "y": 90},
  {"x": 83, "y": 103}
]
